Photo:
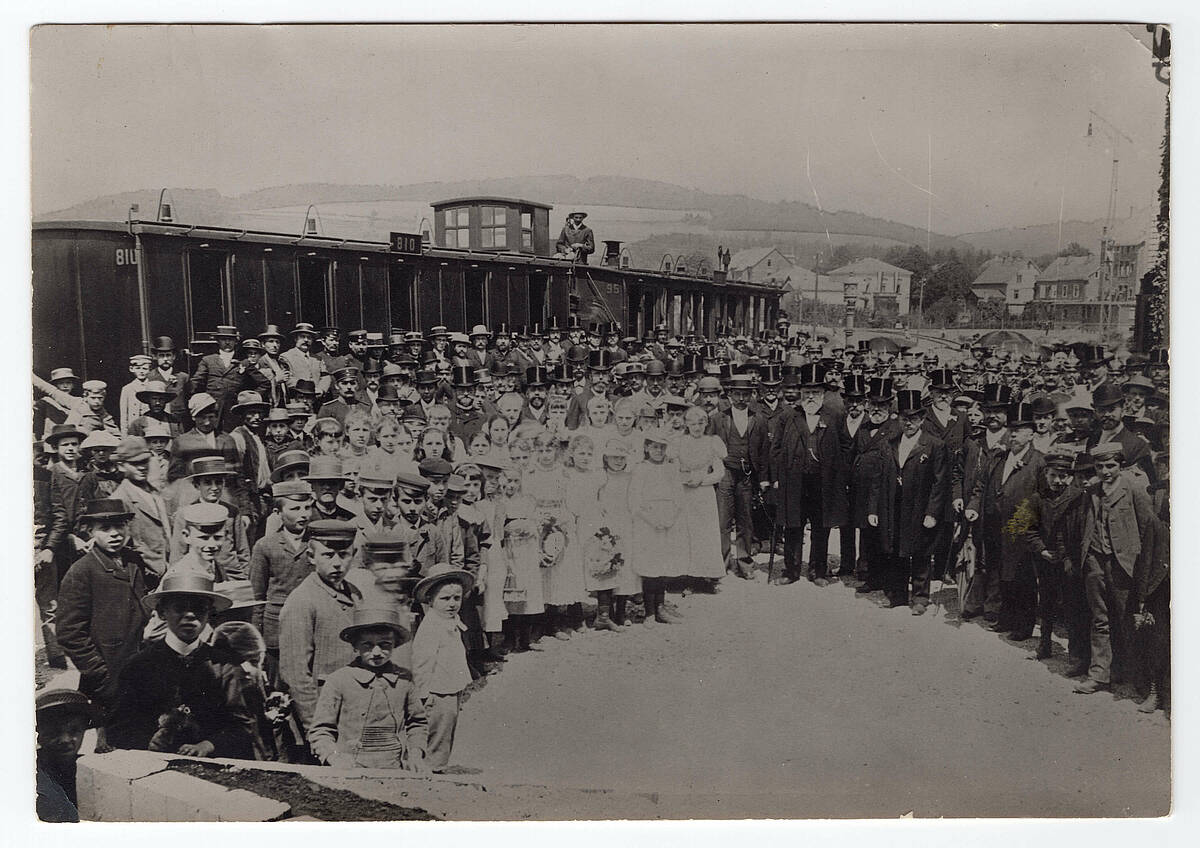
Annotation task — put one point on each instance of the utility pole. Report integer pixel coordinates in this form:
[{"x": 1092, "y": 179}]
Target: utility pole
[{"x": 816, "y": 283}]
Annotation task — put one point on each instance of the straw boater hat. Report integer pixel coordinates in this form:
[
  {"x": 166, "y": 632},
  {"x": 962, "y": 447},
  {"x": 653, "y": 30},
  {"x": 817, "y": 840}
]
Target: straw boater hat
[
  {"x": 442, "y": 573},
  {"x": 186, "y": 583},
  {"x": 66, "y": 702}
]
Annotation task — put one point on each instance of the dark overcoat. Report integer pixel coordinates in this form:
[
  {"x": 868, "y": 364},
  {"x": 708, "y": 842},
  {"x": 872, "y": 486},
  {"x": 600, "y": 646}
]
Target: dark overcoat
[
  {"x": 924, "y": 486},
  {"x": 830, "y": 445}
]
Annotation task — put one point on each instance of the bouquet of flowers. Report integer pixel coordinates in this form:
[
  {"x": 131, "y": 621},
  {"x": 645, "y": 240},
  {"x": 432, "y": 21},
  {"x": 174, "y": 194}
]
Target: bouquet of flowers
[
  {"x": 552, "y": 541},
  {"x": 602, "y": 558}
]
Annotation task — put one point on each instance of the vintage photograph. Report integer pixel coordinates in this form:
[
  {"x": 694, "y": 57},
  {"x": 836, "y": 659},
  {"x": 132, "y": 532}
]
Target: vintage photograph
[{"x": 600, "y": 421}]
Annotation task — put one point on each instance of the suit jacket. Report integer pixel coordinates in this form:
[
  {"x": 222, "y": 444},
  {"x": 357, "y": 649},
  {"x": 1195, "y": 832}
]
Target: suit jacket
[
  {"x": 275, "y": 570},
  {"x": 952, "y": 437},
  {"x": 1138, "y": 539},
  {"x": 872, "y": 487},
  {"x": 922, "y": 489},
  {"x": 758, "y": 442},
  {"x": 1137, "y": 450},
  {"x": 157, "y": 680},
  {"x": 830, "y": 444},
  {"x": 64, "y": 485},
  {"x": 100, "y": 618},
  {"x": 221, "y": 381},
  {"x": 176, "y": 382},
  {"x": 580, "y": 238},
  {"x": 1006, "y": 513},
  {"x": 149, "y": 530}
]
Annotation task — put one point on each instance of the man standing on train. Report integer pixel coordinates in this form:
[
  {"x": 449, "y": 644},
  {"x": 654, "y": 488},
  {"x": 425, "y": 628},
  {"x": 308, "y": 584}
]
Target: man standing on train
[{"x": 576, "y": 240}]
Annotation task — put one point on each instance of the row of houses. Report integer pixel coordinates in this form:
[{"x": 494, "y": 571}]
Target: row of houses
[{"x": 1084, "y": 289}]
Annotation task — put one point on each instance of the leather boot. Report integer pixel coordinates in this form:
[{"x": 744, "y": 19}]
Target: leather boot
[
  {"x": 1151, "y": 703},
  {"x": 603, "y": 619},
  {"x": 555, "y": 624},
  {"x": 618, "y": 615},
  {"x": 660, "y": 614}
]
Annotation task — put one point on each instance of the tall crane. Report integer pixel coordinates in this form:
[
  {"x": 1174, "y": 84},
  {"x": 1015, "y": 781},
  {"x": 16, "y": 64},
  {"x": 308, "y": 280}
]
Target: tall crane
[{"x": 1098, "y": 123}]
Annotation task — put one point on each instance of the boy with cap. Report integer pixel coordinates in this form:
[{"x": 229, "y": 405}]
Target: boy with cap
[
  {"x": 314, "y": 615},
  {"x": 100, "y": 615},
  {"x": 369, "y": 714},
  {"x": 150, "y": 529},
  {"x": 279, "y": 562},
  {"x": 130, "y": 405},
  {"x": 183, "y": 671},
  {"x": 443, "y": 524},
  {"x": 231, "y": 555},
  {"x": 1122, "y": 551},
  {"x": 63, "y": 717},
  {"x": 88, "y": 412},
  {"x": 1109, "y": 401},
  {"x": 440, "y": 668}
]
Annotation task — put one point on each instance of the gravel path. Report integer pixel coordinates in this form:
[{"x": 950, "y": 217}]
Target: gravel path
[{"x": 804, "y": 702}]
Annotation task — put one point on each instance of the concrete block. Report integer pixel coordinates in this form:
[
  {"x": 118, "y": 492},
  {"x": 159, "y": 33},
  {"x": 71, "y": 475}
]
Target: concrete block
[
  {"x": 242, "y": 806},
  {"x": 105, "y": 780}
]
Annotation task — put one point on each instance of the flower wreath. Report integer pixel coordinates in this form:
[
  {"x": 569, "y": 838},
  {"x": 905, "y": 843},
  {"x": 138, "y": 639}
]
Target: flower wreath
[{"x": 552, "y": 541}]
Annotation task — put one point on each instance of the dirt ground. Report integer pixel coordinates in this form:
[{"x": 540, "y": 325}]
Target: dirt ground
[{"x": 799, "y": 701}]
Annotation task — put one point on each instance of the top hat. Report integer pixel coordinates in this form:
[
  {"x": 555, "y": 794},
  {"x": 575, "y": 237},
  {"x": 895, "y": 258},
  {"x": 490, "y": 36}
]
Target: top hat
[
  {"x": 996, "y": 396},
  {"x": 187, "y": 583},
  {"x": 692, "y": 364},
  {"x": 425, "y": 377},
  {"x": 1159, "y": 356},
  {"x": 811, "y": 376},
  {"x": 854, "y": 386},
  {"x": 366, "y": 618},
  {"x": 881, "y": 389},
  {"x": 600, "y": 360},
  {"x": 942, "y": 379},
  {"x": 560, "y": 374},
  {"x": 1042, "y": 405},
  {"x": 740, "y": 381},
  {"x": 909, "y": 402},
  {"x": 1020, "y": 414},
  {"x": 462, "y": 376},
  {"x": 656, "y": 368},
  {"x": 536, "y": 375}
]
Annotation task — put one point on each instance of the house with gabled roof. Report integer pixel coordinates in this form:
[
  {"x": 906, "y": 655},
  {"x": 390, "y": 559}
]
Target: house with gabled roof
[
  {"x": 1012, "y": 279},
  {"x": 875, "y": 286}
]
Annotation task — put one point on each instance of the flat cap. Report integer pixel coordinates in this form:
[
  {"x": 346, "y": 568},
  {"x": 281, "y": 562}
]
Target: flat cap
[{"x": 332, "y": 532}]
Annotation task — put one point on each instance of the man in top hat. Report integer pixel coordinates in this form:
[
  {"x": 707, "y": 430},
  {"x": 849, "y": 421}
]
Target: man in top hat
[
  {"x": 537, "y": 385},
  {"x": 301, "y": 362},
  {"x": 182, "y": 670},
  {"x": 599, "y": 370},
  {"x": 746, "y": 440},
  {"x": 176, "y": 382},
  {"x": 972, "y": 467},
  {"x": 809, "y": 472},
  {"x": 467, "y": 419},
  {"x": 222, "y": 374},
  {"x": 918, "y": 467},
  {"x": 871, "y": 494},
  {"x": 273, "y": 372},
  {"x": 1109, "y": 402},
  {"x": 314, "y": 615},
  {"x": 576, "y": 241},
  {"x": 150, "y": 525},
  {"x": 951, "y": 430},
  {"x": 1000, "y": 499},
  {"x": 100, "y": 615},
  {"x": 346, "y": 383}
]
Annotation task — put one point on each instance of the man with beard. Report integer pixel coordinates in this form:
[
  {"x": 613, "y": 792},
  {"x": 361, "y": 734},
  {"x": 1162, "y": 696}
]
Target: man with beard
[
  {"x": 555, "y": 350},
  {"x": 599, "y": 378},
  {"x": 809, "y": 474},
  {"x": 1001, "y": 499},
  {"x": 872, "y": 491},
  {"x": 176, "y": 382},
  {"x": 746, "y": 455},
  {"x": 302, "y": 365},
  {"x": 854, "y": 389},
  {"x": 1108, "y": 402},
  {"x": 941, "y": 423},
  {"x": 983, "y": 595},
  {"x": 536, "y": 385},
  {"x": 467, "y": 419}
]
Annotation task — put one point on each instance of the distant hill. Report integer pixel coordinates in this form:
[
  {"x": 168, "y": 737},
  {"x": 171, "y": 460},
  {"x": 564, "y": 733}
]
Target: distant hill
[
  {"x": 1043, "y": 238},
  {"x": 725, "y": 213}
]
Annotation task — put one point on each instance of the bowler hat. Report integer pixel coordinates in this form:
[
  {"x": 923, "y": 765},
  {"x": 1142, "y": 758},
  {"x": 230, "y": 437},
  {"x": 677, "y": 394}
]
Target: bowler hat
[
  {"x": 1107, "y": 395},
  {"x": 307, "y": 388},
  {"x": 112, "y": 509},
  {"x": 366, "y": 618},
  {"x": 163, "y": 344}
]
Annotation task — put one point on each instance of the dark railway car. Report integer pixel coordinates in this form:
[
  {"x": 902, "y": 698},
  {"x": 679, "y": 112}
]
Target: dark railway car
[{"x": 103, "y": 290}]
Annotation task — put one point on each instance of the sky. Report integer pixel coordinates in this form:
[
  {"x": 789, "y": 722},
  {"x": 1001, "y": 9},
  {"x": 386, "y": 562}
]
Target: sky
[{"x": 865, "y": 118}]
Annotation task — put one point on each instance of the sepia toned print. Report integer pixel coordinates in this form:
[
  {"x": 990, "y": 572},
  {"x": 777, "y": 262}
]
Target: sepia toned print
[{"x": 601, "y": 422}]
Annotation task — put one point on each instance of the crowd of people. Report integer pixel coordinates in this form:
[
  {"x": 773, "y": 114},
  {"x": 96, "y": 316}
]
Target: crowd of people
[{"x": 308, "y": 552}]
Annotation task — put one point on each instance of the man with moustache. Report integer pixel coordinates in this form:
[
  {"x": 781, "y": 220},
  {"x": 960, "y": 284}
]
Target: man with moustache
[
  {"x": 745, "y": 437},
  {"x": 872, "y": 490},
  {"x": 808, "y": 470},
  {"x": 302, "y": 365},
  {"x": 983, "y": 595}
]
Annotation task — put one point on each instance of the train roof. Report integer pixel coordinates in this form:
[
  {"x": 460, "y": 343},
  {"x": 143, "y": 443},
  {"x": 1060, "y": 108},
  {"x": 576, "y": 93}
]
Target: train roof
[
  {"x": 508, "y": 201},
  {"x": 199, "y": 231}
]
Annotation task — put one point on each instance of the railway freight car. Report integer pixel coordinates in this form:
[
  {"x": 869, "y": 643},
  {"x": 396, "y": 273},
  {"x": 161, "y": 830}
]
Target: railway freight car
[{"x": 103, "y": 290}]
